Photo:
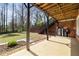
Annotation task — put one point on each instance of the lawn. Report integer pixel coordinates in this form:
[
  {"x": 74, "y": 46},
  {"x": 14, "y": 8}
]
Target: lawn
[
  {"x": 11, "y": 36},
  {"x": 18, "y": 36}
]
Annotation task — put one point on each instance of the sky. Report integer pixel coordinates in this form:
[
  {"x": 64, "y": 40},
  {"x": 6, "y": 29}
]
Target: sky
[
  {"x": 9, "y": 17},
  {"x": 33, "y": 11}
]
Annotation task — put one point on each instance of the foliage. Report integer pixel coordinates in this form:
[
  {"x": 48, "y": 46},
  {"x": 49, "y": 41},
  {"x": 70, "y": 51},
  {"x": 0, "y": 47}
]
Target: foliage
[
  {"x": 39, "y": 23},
  {"x": 12, "y": 43},
  {"x": 12, "y": 16}
]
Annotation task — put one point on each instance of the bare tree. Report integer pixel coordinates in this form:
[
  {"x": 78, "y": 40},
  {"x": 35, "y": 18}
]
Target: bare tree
[
  {"x": 22, "y": 18},
  {"x": 13, "y": 17},
  {"x": 6, "y": 15},
  {"x": 2, "y": 19}
]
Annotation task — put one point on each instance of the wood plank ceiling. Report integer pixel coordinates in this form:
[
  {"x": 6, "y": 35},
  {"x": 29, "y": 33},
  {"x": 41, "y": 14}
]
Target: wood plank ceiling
[{"x": 60, "y": 11}]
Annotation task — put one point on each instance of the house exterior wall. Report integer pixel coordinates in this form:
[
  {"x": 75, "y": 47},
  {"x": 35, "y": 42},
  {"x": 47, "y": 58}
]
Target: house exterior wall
[
  {"x": 52, "y": 30},
  {"x": 70, "y": 24}
]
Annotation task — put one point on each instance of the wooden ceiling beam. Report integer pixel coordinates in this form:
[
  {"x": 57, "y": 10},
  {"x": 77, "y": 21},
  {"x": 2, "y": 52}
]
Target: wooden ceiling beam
[
  {"x": 69, "y": 5},
  {"x": 66, "y": 8},
  {"x": 39, "y": 4},
  {"x": 48, "y": 7},
  {"x": 55, "y": 7},
  {"x": 60, "y": 10},
  {"x": 60, "y": 18},
  {"x": 42, "y": 6},
  {"x": 70, "y": 8},
  {"x": 69, "y": 11},
  {"x": 67, "y": 18}
]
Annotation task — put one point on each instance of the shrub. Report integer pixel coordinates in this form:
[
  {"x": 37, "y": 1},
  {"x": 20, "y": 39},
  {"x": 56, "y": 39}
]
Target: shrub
[{"x": 12, "y": 43}]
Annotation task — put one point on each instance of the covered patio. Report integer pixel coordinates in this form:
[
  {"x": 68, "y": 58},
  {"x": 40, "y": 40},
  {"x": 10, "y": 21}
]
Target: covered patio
[{"x": 53, "y": 45}]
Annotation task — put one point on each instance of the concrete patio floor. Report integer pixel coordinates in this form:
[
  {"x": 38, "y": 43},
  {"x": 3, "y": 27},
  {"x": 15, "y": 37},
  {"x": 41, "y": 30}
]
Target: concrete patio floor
[{"x": 55, "y": 46}]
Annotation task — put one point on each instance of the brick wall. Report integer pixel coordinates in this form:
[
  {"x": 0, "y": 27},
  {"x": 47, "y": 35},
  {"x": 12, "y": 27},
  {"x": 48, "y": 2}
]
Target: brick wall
[
  {"x": 52, "y": 30},
  {"x": 70, "y": 24}
]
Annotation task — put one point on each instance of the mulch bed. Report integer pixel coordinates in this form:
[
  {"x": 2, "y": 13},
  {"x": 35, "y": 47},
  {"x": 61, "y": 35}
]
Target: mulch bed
[{"x": 5, "y": 50}]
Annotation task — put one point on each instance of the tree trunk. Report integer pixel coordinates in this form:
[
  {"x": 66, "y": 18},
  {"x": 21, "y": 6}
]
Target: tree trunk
[
  {"x": 13, "y": 18},
  {"x": 6, "y": 15}
]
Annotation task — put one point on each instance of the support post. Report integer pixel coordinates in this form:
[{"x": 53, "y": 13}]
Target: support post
[
  {"x": 28, "y": 27},
  {"x": 47, "y": 24}
]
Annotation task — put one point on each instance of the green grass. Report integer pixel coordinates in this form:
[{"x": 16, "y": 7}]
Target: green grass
[
  {"x": 11, "y": 36},
  {"x": 17, "y": 36}
]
